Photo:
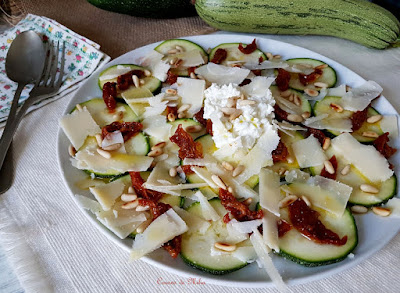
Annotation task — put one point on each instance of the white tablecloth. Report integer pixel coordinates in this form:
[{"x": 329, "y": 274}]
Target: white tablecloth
[{"x": 52, "y": 239}]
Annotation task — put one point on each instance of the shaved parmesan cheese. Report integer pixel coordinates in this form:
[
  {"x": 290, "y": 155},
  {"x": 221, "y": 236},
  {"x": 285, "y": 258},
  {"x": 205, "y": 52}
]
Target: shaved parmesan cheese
[
  {"x": 270, "y": 230},
  {"x": 322, "y": 94},
  {"x": 246, "y": 226},
  {"x": 308, "y": 152},
  {"x": 296, "y": 175},
  {"x": 157, "y": 66},
  {"x": 107, "y": 194},
  {"x": 334, "y": 124},
  {"x": 191, "y": 92},
  {"x": 78, "y": 125},
  {"x": 190, "y": 58},
  {"x": 220, "y": 74},
  {"x": 269, "y": 190},
  {"x": 365, "y": 158},
  {"x": 207, "y": 211},
  {"x": 88, "y": 204},
  {"x": 245, "y": 254},
  {"x": 389, "y": 124},
  {"x": 113, "y": 138},
  {"x": 91, "y": 160},
  {"x": 161, "y": 172},
  {"x": 288, "y": 106},
  {"x": 357, "y": 99},
  {"x": 234, "y": 235},
  {"x": 258, "y": 87},
  {"x": 194, "y": 223},
  {"x": 114, "y": 72},
  {"x": 263, "y": 255},
  {"x": 274, "y": 64},
  {"x": 260, "y": 155},
  {"x": 157, "y": 106},
  {"x": 157, "y": 126},
  {"x": 205, "y": 175},
  {"x": 339, "y": 91},
  {"x": 288, "y": 126},
  {"x": 164, "y": 228}
]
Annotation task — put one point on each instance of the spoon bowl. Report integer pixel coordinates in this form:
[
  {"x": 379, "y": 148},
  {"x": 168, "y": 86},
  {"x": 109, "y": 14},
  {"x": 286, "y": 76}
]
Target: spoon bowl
[{"x": 25, "y": 58}]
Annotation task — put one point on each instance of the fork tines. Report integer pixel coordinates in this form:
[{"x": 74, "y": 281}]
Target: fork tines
[{"x": 54, "y": 64}]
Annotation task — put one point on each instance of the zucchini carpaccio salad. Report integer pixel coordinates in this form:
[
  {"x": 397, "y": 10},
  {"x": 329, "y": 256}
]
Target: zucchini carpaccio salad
[{"x": 224, "y": 157}]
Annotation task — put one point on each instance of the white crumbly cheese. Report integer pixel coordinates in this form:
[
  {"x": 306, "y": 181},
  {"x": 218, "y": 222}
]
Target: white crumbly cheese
[{"x": 242, "y": 132}]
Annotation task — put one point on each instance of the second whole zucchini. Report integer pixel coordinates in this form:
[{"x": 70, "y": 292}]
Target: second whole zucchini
[{"x": 356, "y": 20}]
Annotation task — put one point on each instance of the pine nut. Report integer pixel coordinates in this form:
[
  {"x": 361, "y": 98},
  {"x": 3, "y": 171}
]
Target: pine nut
[
  {"x": 79, "y": 107},
  {"x": 173, "y": 61},
  {"x": 192, "y": 75},
  {"x": 194, "y": 128},
  {"x": 235, "y": 115},
  {"x": 171, "y": 117},
  {"x": 345, "y": 170},
  {"x": 291, "y": 98},
  {"x": 172, "y": 104},
  {"x": 183, "y": 108},
  {"x": 181, "y": 115},
  {"x": 238, "y": 170},
  {"x": 147, "y": 72},
  {"x": 286, "y": 93},
  {"x": 306, "y": 200},
  {"x": 383, "y": 212},
  {"x": 104, "y": 153},
  {"x": 128, "y": 197},
  {"x": 99, "y": 140},
  {"x": 288, "y": 200},
  {"x": 297, "y": 100},
  {"x": 142, "y": 208},
  {"x": 281, "y": 171},
  {"x": 118, "y": 116},
  {"x": 230, "y": 189},
  {"x": 311, "y": 92},
  {"x": 294, "y": 118},
  {"x": 321, "y": 85},
  {"x": 359, "y": 209},
  {"x": 231, "y": 102},
  {"x": 71, "y": 151},
  {"x": 130, "y": 205},
  {"x": 371, "y": 134},
  {"x": 173, "y": 172},
  {"x": 159, "y": 145},
  {"x": 248, "y": 201},
  {"x": 217, "y": 180},
  {"x": 228, "y": 111},
  {"x": 172, "y": 51},
  {"x": 136, "y": 81},
  {"x": 142, "y": 227},
  {"x": 374, "y": 119},
  {"x": 155, "y": 153},
  {"x": 329, "y": 167},
  {"x": 269, "y": 56},
  {"x": 225, "y": 247},
  {"x": 141, "y": 81},
  {"x": 322, "y": 66},
  {"x": 227, "y": 166},
  {"x": 306, "y": 115},
  {"x": 113, "y": 147},
  {"x": 179, "y": 48},
  {"x": 246, "y": 102},
  {"x": 290, "y": 160},
  {"x": 336, "y": 107},
  {"x": 171, "y": 92},
  {"x": 131, "y": 190},
  {"x": 277, "y": 57},
  {"x": 326, "y": 144},
  {"x": 369, "y": 188}
]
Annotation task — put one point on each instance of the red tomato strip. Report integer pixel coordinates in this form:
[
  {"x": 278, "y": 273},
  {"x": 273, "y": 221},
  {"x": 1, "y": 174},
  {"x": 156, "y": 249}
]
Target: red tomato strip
[
  {"x": 326, "y": 174},
  {"x": 128, "y": 129},
  {"x": 381, "y": 145},
  {"x": 310, "y": 78},
  {"x": 358, "y": 118},
  {"x": 219, "y": 56},
  {"x": 282, "y": 80},
  {"x": 280, "y": 153},
  {"x": 109, "y": 95},
  {"x": 188, "y": 148},
  {"x": 249, "y": 48}
]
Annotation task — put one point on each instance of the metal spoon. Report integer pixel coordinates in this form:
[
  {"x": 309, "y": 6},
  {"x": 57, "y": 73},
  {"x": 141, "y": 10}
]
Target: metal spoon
[{"x": 24, "y": 65}]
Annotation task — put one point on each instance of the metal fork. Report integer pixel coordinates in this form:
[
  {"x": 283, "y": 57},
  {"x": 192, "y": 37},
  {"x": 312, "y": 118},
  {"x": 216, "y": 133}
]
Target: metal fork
[{"x": 48, "y": 84}]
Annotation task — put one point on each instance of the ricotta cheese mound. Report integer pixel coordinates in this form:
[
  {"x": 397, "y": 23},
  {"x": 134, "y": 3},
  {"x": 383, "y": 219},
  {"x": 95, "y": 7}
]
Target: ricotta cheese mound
[{"x": 240, "y": 133}]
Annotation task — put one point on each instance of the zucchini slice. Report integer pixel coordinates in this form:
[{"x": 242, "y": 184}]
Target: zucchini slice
[
  {"x": 328, "y": 76},
  {"x": 234, "y": 54},
  {"x": 295, "y": 247},
  {"x": 354, "y": 179},
  {"x": 178, "y": 48},
  {"x": 137, "y": 145},
  {"x": 323, "y": 107},
  {"x": 98, "y": 109},
  {"x": 111, "y": 73},
  {"x": 196, "y": 247},
  {"x": 185, "y": 123},
  {"x": 305, "y": 104}
]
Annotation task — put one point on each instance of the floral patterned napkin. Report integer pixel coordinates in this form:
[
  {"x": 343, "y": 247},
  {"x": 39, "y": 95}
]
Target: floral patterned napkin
[{"x": 83, "y": 57}]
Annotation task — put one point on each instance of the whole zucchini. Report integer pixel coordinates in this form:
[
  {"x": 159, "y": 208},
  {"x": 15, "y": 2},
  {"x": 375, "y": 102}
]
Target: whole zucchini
[
  {"x": 148, "y": 8},
  {"x": 356, "y": 20}
]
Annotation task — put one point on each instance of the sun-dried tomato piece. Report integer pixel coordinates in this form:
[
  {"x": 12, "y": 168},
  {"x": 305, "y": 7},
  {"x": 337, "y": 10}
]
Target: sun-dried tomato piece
[
  {"x": 109, "y": 95},
  {"x": 326, "y": 174},
  {"x": 137, "y": 184},
  {"x": 191, "y": 69},
  {"x": 188, "y": 148},
  {"x": 283, "y": 228},
  {"x": 280, "y": 153},
  {"x": 171, "y": 77},
  {"x": 282, "y": 80},
  {"x": 227, "y": 218},
  {"x": 381, "y": 145},
  {"x": 172, "y": 110},
  {"x": 199, "y": 116},
  {"x": 124, "y": 81},
  {"x": 128, "y": 129},
  {"x": 209, "y": 127},
  {"x": 219, "y": 56},
  {"x": 257, "y": 72},
  {"x": 318, "y": 134},
  {"x": 358, "y": 118},
  {"x": 250, "y": 48},
  {"x": 279, "y": 113},
  {"x": 174, "y": 246},
  {"x": 239, "y": 210},
  {"x": 245, "y": 81},
  {"x": 310, "y": 78},
  {"x": 260, "y": 59},
  {"x": 305, "y": 220},
  {"x": 187, "y": 169}
]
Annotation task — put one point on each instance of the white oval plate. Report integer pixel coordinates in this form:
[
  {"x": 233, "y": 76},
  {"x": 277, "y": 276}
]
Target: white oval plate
[{"x": 374, "y": 231}]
